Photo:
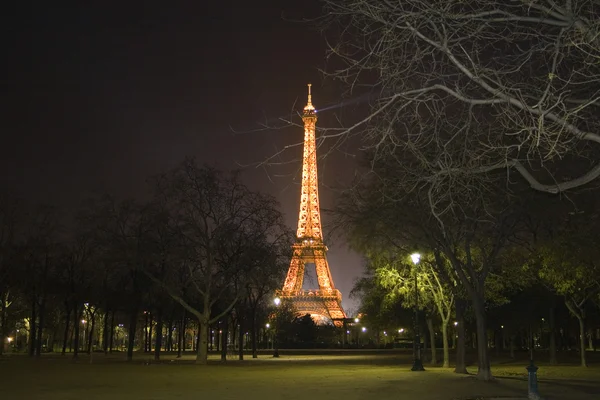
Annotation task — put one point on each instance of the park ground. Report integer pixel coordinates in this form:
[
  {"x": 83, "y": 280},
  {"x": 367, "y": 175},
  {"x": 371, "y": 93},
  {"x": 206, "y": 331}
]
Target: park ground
[{"x": 347, "y": 376}]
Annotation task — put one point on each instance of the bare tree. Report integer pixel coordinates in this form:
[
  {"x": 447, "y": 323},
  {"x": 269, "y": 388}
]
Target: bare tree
[
  {"x": 122, "y": 231},
  {"x": 468, "y": 88},
  {"x": 264, "y": 280},
  {"x": 10, "y": 215},
  {"x": 223, "y": 228}
]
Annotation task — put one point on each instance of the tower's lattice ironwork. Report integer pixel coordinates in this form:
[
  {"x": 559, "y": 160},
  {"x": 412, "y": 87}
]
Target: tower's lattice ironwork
[{"x": 324, "y": 303}]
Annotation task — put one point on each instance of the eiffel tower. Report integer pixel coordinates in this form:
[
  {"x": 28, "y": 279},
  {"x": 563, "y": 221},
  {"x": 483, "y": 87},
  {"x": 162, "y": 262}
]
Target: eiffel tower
[{"x": 325, "y": 303}]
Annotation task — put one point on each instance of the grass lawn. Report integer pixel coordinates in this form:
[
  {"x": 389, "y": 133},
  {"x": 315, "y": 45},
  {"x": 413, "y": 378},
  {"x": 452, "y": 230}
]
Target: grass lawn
[{"x": 310, "y": 377}]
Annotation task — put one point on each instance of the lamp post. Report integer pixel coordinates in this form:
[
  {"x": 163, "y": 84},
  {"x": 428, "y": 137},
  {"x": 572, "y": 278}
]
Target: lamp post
[
  {"x": 277, "y": 302},
  {"x": 84, "y": 334},
  {"x": 417, "y": 364},
  {"x": 532, "y": 383}
]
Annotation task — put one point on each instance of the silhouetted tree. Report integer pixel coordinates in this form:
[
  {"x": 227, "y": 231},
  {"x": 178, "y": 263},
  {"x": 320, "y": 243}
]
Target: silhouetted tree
[{"x": 221, "y": 224}]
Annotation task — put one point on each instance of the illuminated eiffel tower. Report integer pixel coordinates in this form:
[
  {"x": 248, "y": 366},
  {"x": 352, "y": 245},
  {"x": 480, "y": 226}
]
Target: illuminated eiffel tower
[{"x": 325, "y": 303}]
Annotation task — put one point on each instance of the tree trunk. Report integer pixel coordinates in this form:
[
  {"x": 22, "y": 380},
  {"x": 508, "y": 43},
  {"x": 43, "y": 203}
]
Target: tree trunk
[
  {"x": 461, "y": 364},
  {"x": 218, "y": 340},
  {"x": 131, "y": 335},
  {"x": 146, "y": 340},
  {"x": 158, "y": 332},
  {"x": 512, "y": 346},
  {"x": 579, "y": 314},
  {"x": 180, "y": 334},
  {"x": 149, "y": 332},
  {"x": 170, "y": 334},
  {"x": 197, "y": 340},
  {"x": 105, "y": 332},
  {"x": 552, "y": 347},
  {"x": 112, "y": 331},
  {"x": 497, "y": 341},
  {"x": 234, "y": 330},
  {"x": 484, "y": 371},
  {"x": 253, "y": 334},
  {"x": 445, "y": 344},
  {"x": 3, "y": 319},
  {"x": 184, "y": 329},
  {"x": 224, "y": 336},
  {"x": 202, "y": 354},
  {"x": 432, "y": 339},
  {"x": 90, "y": 338},
  {"x": 75, "y": 330},
  {"x": 40, "y": 327},
  {"x": 582, "y": 341},
  {"x": 241, "y": 339},
  {"x": 90, "y": 350},
  {"x": 67, "y": 325},
  {"x": 32, "y": 328}
]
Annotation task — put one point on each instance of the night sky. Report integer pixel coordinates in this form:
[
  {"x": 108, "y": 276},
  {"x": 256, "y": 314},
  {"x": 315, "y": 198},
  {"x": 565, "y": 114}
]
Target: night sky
[{"x": 98, "y": 96}]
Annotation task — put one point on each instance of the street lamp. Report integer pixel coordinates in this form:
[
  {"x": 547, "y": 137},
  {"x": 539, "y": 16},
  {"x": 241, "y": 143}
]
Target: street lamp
[
  {"x": 84, "y": 334},
  {"x": 417, "y": 365},
  {"x": 277, "y": 302},
  {"x": 267, "y": 334}
]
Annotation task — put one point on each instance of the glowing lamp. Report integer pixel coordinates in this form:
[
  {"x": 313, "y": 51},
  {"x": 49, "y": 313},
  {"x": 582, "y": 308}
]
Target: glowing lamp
[{"x": 415, "y": 257}]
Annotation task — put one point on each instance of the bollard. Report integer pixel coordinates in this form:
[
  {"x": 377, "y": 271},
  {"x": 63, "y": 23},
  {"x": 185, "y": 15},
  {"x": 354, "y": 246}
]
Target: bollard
[{"x": 532, "y": 388}]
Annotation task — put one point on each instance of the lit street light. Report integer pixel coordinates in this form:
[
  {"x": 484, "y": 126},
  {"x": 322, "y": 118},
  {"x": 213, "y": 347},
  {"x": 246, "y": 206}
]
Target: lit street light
[
  {"x": 277, "y": 302},
  {"x": 417, "y": 365}
]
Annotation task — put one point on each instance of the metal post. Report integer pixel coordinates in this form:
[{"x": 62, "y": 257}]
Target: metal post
[
  {"x": 277, "y": 301},
  {"x": 275, "y": 343},
  {"x": 532, "y": 387},
  {"x": 417, "y": 365},
  {"x": 532, "y": 383}
]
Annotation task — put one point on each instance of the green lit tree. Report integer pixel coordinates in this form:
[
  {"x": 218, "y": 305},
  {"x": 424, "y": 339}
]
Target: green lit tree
[
  {"x": 569, "y": 265},
  {"x": 397, "y": 276}
]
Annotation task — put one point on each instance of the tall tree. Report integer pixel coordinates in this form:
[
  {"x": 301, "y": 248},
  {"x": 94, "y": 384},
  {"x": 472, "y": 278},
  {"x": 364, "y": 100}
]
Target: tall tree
[
  {"x": 221, "y": 224},
  {"x": 569, "y": 265},
  {"x": 399, "y": 278},
  {"x": 39, "y": 257},
  {"x": 11, "y": 219},
  {"x": 123, "y": 228},
  {"x": 262, "y": 281},
  {"x": 469, "y": 228}
]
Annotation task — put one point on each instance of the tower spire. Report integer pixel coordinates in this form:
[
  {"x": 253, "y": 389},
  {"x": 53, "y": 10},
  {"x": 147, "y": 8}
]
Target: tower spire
[
  {"x": 309, "y": 219},
  {"x": 309, "y": 107}
]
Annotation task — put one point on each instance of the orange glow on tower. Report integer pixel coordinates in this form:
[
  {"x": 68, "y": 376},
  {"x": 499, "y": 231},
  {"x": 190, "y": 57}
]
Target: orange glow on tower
[{"x": 325, "y": 302}]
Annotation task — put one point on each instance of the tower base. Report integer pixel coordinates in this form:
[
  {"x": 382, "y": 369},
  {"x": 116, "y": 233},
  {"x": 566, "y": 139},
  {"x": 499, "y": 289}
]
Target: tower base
[{"x": 324, "y": 306}]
